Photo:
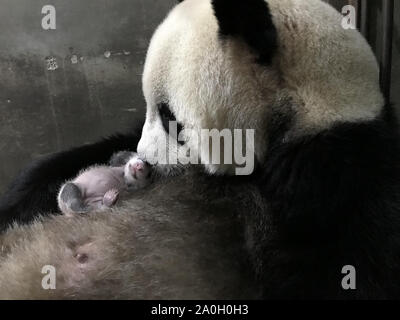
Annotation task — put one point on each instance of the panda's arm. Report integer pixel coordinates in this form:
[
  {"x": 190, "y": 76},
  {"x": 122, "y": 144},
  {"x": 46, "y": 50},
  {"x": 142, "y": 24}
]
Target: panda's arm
[{"x": 34, "y": 191}]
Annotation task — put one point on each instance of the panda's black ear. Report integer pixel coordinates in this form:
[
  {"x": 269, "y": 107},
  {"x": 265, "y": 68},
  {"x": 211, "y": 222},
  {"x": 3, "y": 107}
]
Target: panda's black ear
[{"x": 251, "y": 20}]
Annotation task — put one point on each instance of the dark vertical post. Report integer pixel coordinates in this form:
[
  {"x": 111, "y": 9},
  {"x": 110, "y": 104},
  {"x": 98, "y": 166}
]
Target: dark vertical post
[
  {"x": 386, "y": 50},
  {"x": 363, "y": 17}
]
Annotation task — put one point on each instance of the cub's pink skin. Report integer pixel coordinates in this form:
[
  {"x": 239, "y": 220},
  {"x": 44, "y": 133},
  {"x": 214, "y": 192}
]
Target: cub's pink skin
[
  {"x": 137, "y": 173},
  {"x": 98, "y": 188}
]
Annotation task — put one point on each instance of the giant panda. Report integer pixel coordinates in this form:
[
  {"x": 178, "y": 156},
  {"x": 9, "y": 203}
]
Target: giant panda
[{"x": 324, "y": 196}]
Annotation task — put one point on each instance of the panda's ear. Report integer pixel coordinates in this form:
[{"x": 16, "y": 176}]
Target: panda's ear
[{"x": 251, "y": 20}]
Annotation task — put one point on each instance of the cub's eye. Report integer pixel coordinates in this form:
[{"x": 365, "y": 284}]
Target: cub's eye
[{"x": 166, "y": 117}]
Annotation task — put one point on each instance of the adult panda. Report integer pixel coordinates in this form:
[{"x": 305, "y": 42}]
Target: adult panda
[{"x": 325, "y": 193}]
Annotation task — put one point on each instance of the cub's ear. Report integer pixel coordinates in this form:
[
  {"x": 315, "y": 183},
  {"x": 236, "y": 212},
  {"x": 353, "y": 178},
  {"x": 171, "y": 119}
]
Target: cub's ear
[{"x": 251, "y": 20}]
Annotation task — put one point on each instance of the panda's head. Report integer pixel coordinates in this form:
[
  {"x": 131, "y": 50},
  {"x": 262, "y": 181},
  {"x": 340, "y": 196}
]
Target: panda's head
[{"x": 232, "y": 64}]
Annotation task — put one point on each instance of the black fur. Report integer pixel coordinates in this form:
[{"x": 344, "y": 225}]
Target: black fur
[
  {"x": 35, "y": 189},
  {"x": 330, "y": 200},
  {"x": 167, "y": 116},
  {"x": 251, "y": 20}
]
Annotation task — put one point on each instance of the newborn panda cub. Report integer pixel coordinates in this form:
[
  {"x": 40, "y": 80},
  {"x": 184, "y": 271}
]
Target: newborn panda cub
[{"x": 99, "y": 187}]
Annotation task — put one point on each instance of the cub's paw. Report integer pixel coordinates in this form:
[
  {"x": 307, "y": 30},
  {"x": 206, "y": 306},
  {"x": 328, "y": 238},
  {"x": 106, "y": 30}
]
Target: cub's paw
[{"x": 110, "y": 198}]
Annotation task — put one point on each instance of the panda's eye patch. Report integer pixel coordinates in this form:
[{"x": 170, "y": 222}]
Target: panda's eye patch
[
  {"x": 166, "y": 117},
  {"x": 165, "y": 114}
]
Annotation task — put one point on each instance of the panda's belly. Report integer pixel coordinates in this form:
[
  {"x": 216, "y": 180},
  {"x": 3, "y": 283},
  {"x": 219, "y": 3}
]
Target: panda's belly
[{"x": 170, "y": 241}]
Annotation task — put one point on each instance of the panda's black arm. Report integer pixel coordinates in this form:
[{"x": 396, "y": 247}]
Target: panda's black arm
[{"x": 34, "y": 190}]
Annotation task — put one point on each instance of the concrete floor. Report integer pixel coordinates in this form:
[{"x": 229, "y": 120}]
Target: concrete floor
[{"x": 99, "y": 47}]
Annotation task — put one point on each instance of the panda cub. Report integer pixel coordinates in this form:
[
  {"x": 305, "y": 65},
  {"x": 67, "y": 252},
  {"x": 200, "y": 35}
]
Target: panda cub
[{"x": 98, "y": 188}]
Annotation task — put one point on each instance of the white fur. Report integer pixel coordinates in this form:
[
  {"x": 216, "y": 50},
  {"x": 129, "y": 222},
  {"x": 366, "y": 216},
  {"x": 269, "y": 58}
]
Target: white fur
[{"x": 329, "y": 74}]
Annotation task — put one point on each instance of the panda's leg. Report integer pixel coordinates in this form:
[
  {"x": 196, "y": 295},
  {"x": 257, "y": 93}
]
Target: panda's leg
[{"x": 35, "y": 189}]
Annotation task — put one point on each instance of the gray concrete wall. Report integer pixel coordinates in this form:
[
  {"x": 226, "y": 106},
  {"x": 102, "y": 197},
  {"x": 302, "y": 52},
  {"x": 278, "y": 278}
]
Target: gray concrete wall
[{"x": 89, "y": 95}]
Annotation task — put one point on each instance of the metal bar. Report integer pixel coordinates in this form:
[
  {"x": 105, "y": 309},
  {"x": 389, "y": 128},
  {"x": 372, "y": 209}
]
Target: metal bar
[
  {"x": 363, "y": 17},
  {"x": 358, "y": 11},
  {"x": 386, "y": 50}
]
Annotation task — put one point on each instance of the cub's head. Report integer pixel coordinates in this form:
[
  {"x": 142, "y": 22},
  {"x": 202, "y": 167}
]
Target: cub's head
[{"x": 237, "y": 67}]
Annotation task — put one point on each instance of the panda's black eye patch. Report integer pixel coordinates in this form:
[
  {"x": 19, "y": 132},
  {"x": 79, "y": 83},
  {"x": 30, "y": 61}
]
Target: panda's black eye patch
[{"x": 167, "y": 116}]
